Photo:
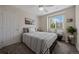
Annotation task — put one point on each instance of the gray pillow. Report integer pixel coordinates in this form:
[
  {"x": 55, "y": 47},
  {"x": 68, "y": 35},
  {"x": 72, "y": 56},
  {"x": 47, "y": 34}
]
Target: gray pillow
[{"x": 25, "y": 30}]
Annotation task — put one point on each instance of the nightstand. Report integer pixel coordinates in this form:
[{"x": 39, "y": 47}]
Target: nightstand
[
  {"x": 39, "y": 30},
  {"x": 59, "y": 37}
]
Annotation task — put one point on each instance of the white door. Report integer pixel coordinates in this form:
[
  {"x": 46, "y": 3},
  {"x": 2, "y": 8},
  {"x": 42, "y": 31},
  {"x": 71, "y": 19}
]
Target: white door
[
  {"x": 1, "y": 32},
  {"x": 10, "y": 27}
]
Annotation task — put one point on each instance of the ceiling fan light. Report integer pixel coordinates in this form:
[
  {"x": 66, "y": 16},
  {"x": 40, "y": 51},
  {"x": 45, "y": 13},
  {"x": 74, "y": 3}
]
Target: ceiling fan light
[{"x": 41, "y": 8}]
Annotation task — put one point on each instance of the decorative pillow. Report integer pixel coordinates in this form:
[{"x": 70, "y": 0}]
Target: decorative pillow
[
  {"x": 32, "y": 29},
  {"x": 25, "y": 30}
]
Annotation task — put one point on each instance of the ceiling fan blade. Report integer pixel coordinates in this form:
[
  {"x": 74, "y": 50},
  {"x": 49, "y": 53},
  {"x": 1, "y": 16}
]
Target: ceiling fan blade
[
  {"x": 48, "y": 5},
  {"x": 45, "y": 5},
  {"x": 45, "y": 10}
]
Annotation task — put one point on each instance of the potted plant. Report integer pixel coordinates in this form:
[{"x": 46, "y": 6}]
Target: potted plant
[{"x": 71, "y": 30}]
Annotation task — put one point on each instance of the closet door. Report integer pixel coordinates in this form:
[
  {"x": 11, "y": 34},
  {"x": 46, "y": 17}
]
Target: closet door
[
  {"x": 10, "y": 26},
  {"x": 1, "y": 28}
]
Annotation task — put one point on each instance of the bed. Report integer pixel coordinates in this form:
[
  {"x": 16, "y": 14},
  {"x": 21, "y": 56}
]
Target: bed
[{"x": 39, "y": 42}]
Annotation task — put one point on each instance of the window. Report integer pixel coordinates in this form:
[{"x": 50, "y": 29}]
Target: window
[{"x": 55, "y": 22}]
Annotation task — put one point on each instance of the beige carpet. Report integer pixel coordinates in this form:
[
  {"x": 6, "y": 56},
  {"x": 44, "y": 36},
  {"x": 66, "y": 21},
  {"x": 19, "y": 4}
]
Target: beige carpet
[
  {"x": 65, "y": 48},
  {"x": 20, "y": 48}
]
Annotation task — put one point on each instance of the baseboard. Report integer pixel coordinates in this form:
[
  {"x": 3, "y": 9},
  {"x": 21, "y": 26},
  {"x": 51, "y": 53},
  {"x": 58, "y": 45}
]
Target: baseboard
[{"x": 9, "y": 42}]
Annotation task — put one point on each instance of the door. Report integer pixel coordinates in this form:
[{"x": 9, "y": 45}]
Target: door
[
  {"x": 10, "y": 27},
  {"x": 1, "y": 26}
]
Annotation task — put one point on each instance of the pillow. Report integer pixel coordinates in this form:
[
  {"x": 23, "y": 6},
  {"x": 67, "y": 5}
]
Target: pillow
[
  {"x": 60, "y": 31},
  {"x": 25, "y": 30},
  {"x": 32, "y": 29}
]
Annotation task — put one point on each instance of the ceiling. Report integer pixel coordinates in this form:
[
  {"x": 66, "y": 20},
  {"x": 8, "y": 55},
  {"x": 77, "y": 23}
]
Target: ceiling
[{"x": 34, "y": 9}]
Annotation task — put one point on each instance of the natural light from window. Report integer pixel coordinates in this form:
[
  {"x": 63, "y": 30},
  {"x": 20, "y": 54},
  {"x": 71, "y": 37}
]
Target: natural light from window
[{"x": 55, "y": 22}]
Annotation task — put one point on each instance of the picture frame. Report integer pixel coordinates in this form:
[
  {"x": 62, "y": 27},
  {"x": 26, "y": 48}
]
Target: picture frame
[{"x": 28, "y": 21}]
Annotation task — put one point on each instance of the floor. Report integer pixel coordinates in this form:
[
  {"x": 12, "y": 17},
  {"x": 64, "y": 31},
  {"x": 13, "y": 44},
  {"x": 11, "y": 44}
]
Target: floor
[
  {"x": 64, "y": 48},
  {"x": 17, "y": 48},
  {"x": 20, "y": 48}
]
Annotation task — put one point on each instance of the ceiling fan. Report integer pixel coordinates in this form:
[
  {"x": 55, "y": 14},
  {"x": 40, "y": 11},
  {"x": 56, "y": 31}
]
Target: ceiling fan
[{"x": 43, "y": 7}]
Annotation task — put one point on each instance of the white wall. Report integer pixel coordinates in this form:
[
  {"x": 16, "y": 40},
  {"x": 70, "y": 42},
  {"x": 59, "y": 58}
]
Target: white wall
[
  {"x": 68, "y": 13},
  {"x": 11, "y": 24},
  {"x": 31, "y": 11},
  {"x": 77, "y": 25}
]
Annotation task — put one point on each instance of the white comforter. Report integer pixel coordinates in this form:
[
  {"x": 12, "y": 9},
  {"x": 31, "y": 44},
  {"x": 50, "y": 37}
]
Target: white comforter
[{"x": 39, "y": 42}]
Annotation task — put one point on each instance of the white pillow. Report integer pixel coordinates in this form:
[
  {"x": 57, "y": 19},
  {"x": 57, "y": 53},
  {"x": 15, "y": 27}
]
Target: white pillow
[
  {"x": 32, "y": 29},
  {"x": 60, "y": 31}
]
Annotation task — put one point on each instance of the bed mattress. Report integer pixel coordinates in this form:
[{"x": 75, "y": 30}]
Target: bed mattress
[{"x": 39, "y": 42}]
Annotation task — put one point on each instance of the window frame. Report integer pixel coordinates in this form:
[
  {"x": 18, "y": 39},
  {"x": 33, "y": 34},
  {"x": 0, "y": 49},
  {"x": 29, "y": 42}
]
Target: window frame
[{"x": 53, "y": 15}]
